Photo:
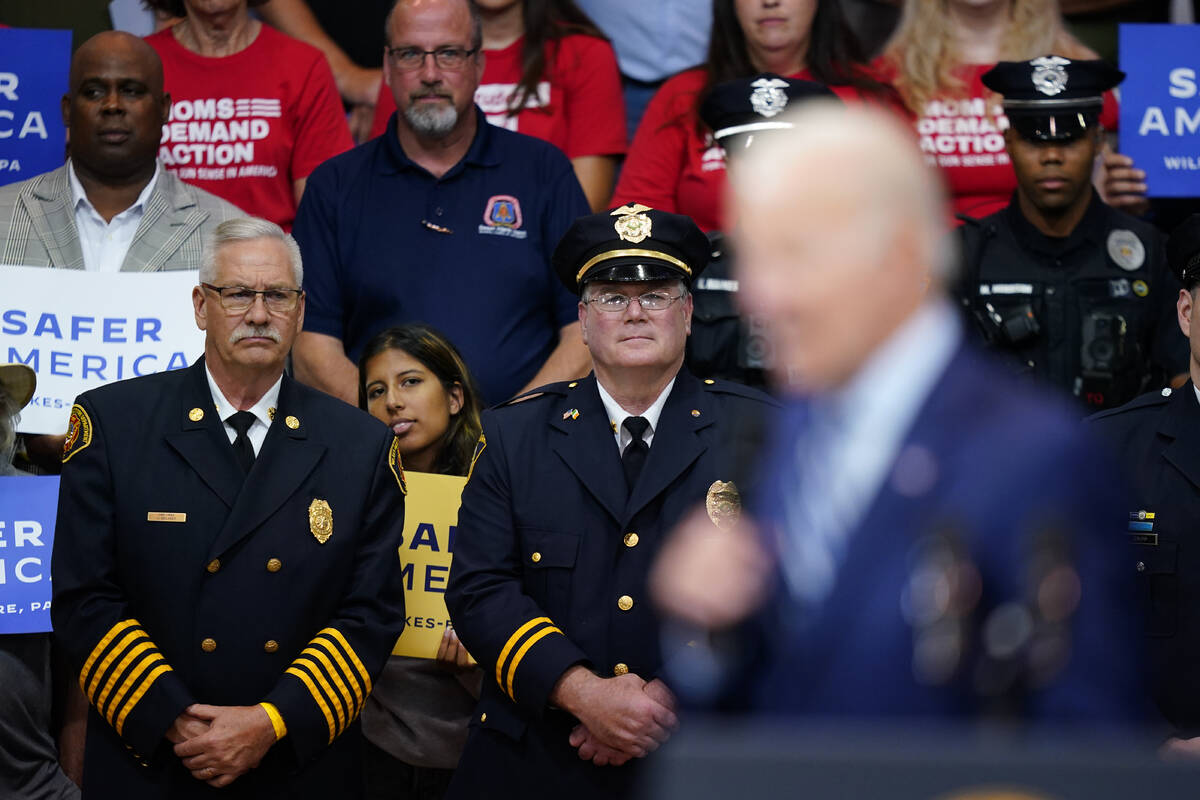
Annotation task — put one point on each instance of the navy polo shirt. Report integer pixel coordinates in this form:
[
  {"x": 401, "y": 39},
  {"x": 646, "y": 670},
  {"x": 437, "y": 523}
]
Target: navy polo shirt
[{"x": 384, "y": 243}]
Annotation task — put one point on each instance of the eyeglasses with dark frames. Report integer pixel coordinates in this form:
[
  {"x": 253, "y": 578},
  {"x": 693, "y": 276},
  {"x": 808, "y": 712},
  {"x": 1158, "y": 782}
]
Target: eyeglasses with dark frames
[{"x": 408, "y": 59}]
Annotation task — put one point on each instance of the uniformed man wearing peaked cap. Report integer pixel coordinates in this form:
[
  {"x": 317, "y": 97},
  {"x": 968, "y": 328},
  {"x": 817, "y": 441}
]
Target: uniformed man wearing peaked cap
[
  {"x": 573, "y": 489},
  {"x": 724, "y": 342},
  {"x": 1065, "y": 287},
  {"x": 225, "y": 576},
  {"x": 1157, "y": 440}
]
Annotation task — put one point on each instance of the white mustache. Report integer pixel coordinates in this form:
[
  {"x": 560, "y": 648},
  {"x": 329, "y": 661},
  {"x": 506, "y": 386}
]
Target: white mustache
[{"x": 255, "y": 331}]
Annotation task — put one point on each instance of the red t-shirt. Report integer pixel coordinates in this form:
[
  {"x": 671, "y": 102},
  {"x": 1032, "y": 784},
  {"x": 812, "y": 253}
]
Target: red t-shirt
[
  {"x": 578, "y": 107},
  {"x": 674, "y": 167},
  {"x": 964, "y": 136},
  {"x": 247, "y": 126}
]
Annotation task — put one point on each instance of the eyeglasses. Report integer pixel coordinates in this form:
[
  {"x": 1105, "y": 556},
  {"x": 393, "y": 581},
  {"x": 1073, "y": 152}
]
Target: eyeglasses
[
  {"x": 238, "y": 299},
  {"x": 650, "y": 301},
  {"x": 408, "y": 59}
]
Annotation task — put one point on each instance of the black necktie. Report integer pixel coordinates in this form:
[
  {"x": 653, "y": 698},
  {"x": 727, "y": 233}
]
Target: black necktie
[
  {"x": 634, "y": 457},
  {"x": 242, "y": 449}
]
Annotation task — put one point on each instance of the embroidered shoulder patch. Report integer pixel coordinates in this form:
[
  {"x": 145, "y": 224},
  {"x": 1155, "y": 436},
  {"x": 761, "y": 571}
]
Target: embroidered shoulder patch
[
  {"x": 395, "y": 465},
  {"x": 79, "y": 433}
]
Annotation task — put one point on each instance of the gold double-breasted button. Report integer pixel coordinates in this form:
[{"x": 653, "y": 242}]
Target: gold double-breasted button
[
  {"x": 620, "y": 669},
  {"x": 214, "y": 565},
  {"x": 274, "y": 565},
  {"x": 631, "y": 540},
  {"x": 483, "y": 717},
  {"x": 271, "y": 646},
  {"x": 208, "y": 645},
  {"x": 624, "y": 602},
  {"x": 536, "y": 557}
]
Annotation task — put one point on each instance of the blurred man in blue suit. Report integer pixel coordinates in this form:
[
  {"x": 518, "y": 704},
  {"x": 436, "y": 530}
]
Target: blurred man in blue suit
[{"x": 932, "y": 545}]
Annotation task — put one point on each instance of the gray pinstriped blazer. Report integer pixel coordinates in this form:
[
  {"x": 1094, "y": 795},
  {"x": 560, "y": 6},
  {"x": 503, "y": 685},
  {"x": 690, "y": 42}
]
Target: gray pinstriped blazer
[{"x": 37, "y": 225}]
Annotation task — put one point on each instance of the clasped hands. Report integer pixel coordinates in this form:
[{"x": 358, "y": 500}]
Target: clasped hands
[
  {"x": 619, "y": 718},
  {"x": 219, "y": 744}
]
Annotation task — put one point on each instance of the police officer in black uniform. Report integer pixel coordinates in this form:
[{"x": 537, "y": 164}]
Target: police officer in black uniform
[
  {"x": 570, "y": 497},
  {"x": 1069, "y": 289},
  {"x": 724, "y": 344},
  {"x": 1157, "y": 437}
]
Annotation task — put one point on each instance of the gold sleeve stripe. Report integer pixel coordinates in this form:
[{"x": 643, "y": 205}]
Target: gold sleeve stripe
[
  {"x": 351, "y": 678},
  {"x": 134, "y": 652},
  {"x": 316, "y": 694},
  {"x": 512, "y": 642},
  {"x": 530, "y": 642},
  {"x": 99, "y": 648},
  {"x": 157, "y": 673},
  {"x": 335, "y": 634},
  {"x": 126, "y": 639},
  {"x": 343, "y": 706},
  {"x": 118, "y": 699}
]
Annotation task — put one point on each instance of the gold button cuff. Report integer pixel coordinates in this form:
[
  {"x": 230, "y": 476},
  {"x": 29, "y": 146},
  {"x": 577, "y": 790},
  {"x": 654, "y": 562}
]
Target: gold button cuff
[
  {"x": 624, "y": 602},
  {"x": 631, "y": 540},
  {"x": 208, "y": 645},
  {"x": 274, "y": 565},
  {"x": 620, "y": 669},
  {"x": 271, "y": 646},
  {"x": 214, "y": 565},
  {"x": 536, "y": 557}
]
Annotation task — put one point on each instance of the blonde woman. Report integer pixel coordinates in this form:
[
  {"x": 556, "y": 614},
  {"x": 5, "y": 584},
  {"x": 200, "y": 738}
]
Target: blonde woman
[{"x": 936, "y": 58}]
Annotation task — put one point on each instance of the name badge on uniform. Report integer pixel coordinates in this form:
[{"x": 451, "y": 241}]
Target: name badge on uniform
[
  {"x": 166, "y": 516},
  {"x": 320, "y": 520}
]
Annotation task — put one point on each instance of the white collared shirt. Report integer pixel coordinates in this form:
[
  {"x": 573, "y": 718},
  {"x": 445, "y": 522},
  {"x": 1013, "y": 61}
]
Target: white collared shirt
[
  {"x": 617, "y": 416},
  {"x": 263, "y": 411},
  {"x": 105, "y": 244}
]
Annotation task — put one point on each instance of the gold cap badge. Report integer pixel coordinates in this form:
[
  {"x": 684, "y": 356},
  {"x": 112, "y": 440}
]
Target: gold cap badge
[
  {"x": 724, "y": 504},
  {"x": 632, "y": 225},
  {"x": 320, "y": 520}
]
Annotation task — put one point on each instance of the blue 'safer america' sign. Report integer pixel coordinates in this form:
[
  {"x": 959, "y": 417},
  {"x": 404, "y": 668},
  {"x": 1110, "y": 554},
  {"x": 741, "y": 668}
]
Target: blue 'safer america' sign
[
  {"x": 1160, "y": 106},
  {"x": 33, "y": 78}
]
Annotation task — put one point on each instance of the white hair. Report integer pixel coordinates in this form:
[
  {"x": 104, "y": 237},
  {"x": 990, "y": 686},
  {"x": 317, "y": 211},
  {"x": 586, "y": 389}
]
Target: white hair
[
  {"x": 247, "y": 229},
  {"x": 878, "y": 163}
]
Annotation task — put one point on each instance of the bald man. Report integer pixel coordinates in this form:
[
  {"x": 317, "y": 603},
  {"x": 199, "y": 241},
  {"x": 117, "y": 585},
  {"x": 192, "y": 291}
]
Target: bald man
[
  {"x": 905, "y": 463},
  {"x": 111, "y": 207}
]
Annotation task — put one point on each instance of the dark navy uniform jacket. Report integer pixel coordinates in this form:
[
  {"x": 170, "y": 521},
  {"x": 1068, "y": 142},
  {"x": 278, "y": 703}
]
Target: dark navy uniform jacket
[
  {"x": 1157, "y": 438},
  {"x": 550, "y": 566},
  {"x": 177, "y": 583},
  {"x": 1109, "y": 274},
  {"x": 1001, "y": 477}
]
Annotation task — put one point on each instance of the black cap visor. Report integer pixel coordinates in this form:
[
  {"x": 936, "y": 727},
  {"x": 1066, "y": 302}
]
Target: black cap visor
[
  {"x": 629, "y": 270},
  {"x": 1061, "y": 125}
]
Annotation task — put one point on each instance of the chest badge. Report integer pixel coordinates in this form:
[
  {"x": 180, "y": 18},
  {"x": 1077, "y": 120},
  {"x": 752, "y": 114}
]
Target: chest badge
[
  {"x": 1126, "y": 249},
  {"x": 724, "y": 504},
  {"x": 320, "y": 520}
]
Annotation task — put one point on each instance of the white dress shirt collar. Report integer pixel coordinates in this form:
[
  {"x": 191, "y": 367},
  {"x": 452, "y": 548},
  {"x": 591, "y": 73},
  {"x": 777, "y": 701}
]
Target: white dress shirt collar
[
  {"x": 617, "y": 415},
  {"x": 263, "y": 411},
  {"x": 105, "y": 244}
]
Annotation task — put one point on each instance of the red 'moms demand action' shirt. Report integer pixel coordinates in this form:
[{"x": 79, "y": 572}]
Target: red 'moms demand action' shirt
[
  {"x": 247, "y": 126},
  {"x": 964, "y": 136},
  {"x": 578, "y": 106}
]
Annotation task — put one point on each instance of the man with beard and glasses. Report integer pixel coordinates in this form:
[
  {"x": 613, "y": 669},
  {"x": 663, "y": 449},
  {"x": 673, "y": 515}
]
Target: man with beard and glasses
[
  {"x": 442, "y": 219},
  {"x": 224, "y": 582},
  {"x": 1065, "y": 288}
]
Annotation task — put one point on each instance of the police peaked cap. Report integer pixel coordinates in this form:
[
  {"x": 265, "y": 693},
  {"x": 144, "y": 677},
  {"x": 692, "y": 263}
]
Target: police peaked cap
[
  {"x": 631, "y": 243},
  {"x": 1052, "y": 98},
  {"x": 1183, "y": 251},
  {"x": 750, "y": 105}
]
